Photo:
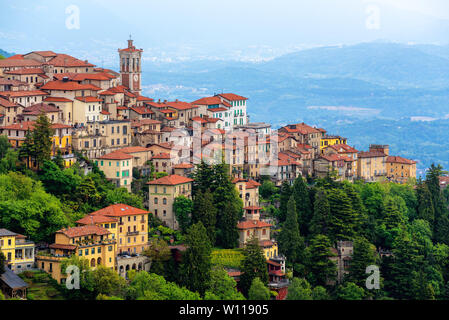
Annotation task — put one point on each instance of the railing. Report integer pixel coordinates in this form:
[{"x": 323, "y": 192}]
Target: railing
[{"x": 132, "y": 233}]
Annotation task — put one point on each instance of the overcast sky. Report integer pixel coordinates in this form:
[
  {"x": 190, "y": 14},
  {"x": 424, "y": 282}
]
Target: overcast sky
[{"x": 226, "y": 29}]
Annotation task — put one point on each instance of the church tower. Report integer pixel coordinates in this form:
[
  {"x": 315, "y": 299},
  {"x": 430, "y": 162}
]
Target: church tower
[{"x": 130, "y": 67}]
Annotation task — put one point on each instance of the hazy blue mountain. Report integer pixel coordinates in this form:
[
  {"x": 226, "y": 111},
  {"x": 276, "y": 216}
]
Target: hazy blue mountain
[
  {"x": 5, "y": 54},
  {"x": 390, "y": 64}
]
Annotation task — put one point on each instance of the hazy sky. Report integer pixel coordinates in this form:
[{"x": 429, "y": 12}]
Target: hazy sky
[{"x": 226, "y": 29}]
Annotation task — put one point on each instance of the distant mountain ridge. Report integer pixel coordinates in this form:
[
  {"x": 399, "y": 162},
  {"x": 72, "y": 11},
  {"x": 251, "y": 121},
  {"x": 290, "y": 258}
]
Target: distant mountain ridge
[{"x": 5, "y": 54}]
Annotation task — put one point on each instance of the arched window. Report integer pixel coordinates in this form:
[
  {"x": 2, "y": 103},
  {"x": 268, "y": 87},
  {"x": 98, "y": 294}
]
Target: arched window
[
  {"x": 98, "y": 261},
  {"x": 92, "y": 262},
  {"x": 164, "y": 201},
  {"x": 155, "y": 200}
]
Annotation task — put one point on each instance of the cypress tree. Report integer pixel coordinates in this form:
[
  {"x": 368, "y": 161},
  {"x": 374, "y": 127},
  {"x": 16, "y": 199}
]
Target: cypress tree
[
  {"x": 320, "y": 267},
  {"x": 291, "y": 244},
  {"x": 41, "y": 138},
  {"x": 363, "y": 256},
  {"x": 284, "y": 197},
  {"x": 252, "y": 266},
  {"x": 321, "y": 214},
  {"x": 425, "y": 208},
  {"x": 195, "y": 268},
  {"x": 342, "y": 226},
  {"x": 205, "y": 212},
  {"x": 301, "y": 193}
]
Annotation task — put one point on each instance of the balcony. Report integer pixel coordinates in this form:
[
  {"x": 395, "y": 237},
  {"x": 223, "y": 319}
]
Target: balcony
[{"x": 132, "y": 233}]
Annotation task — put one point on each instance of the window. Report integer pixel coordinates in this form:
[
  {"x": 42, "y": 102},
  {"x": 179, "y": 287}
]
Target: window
[
  {"x": 155, "y": 200},
  {"x": 164, "y": 201}
]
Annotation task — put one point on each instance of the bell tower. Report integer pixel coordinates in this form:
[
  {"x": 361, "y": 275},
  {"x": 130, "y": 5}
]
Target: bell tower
[{"x": 130, "y": 67}]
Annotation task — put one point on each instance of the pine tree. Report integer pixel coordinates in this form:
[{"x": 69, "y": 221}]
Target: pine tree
[
  {"x": 41, "y": 137},
  {"x": 196, "y": 265},
  {"x": 361, "y": 216},
  {"x": 393, "y": 218},
  {"x": 342, "y": 226},
  {"x": 291, "y": 244},
  {"x": 258, "y": 291},
  {"x": 320, "y": 267},
  {"x": 252, "y": 266},
  {"x": 362, "y": 257},
  {"x": 205, "y": 212},
  {"x": 425, "y": 208},
  {"x": 321, "y": 215},
  {"x": 285, "y": 194},
  {"x": 402, "y": 270},
  {"x": 227, "y": 233},
  {"x": 229, "y": 207},
  {"x": 303, "y": 206}
]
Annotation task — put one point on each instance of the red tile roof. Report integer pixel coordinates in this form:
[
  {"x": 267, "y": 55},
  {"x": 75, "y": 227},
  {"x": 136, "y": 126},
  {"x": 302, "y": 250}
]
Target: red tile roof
[
  {"x": 232, "y": 96},
  {"x": 119, "y": 210},
  {"x": 68, "y": 86},
  {"x": 57, "y": 99},
  {"x": 171, "y": 180},
  {"x": 18, "y": 61},
  {"x": 162, "y": 155},
  {"x": 252, "y": 224},
  {"x": 83, "y": 231},
  {"x": 133, "y": 149},
  {"x": 343, "y": 148},
  {"x": 396, "y": 159},
  {"x": 142, "y": 110},
  {"x": 251, "y": 184},
  {"x": 94, "y": 219},
  {"x": 183, "y": 166},
  {"x": 62, "y": 246},
  {"x": 29, "y": 125},
  {"x": 36, "y": 109},
  {"x": 210, "y": 101},
  {"x": 64, "y": 60},
  {"x": 88, "y": 99},
  {"x": 301, "y": 128},
  {"x": 23, "y": 93},
  {"x": 26, "y": 71},
  {"x": 116, "y": 155}
]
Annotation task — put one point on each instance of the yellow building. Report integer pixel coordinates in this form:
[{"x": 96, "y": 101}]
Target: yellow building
[
  {"x": 18, "y": 251},
  {"x": 162, "y": 194},
  {"x": 248, "y": 191},
  {"x": 117, "y": 167},
  {"x": 253, "y": 228},
  {"x": 400, "y": 170},
  {"x": 131, "y": 230},
  {"x": 327, "y": 141},
  {"x": 90, "y": 242},
  {"x": 371, "y": 165}
]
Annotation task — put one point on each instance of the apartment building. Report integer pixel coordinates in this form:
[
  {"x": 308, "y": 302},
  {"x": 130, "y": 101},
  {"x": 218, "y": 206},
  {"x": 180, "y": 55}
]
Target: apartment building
[{"x": 18, "y": 251}]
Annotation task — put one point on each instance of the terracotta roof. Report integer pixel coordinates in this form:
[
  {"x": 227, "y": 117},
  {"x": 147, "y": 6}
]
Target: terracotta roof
[
  {"x": 183, "y": 166},
  {"x": 142, "y": 110},
  {"x": 301, "y": 128},
  {"x": 106, "y": 93},
  {"x": 18, "y": 61},
  {"x": 88, "y": 99},
  {"x": 336, "y": 157},
  {"x": 29, "y": 125},
  {"x": 23, "y": 93},
  {"x": 62, "y": 246},
  {"x": 68, "y": 86},
  {"x": 138, "y": 123},
  {"x": 46, "y": 54},
  {"x": 6, "y": 103},
  {"x": 210, "y": 101},
  {"x": 119, "y": 210},
  {"x": 179, "y": 105},
  {"x": 252, "y": 224},
  {"x": 396, "y": 159},
  {"x": 105, "y": 112},
  {"x": 36, "y": 109},
  {"x": 251, "y": 184},
  {"x": 100, "y": 76},
  {"x": 343, "y": 148},
  {"x": 133, "y": 149},
  {"x": 95, "y": 218},
  {"x": 26, "y": 71},
  {"x": 57, "y": 99},
  {"x": 252, "y": 208},
  {"x": 173, "y": 179},
  {"x": 83, "y": 231},
  {"x": 232, "y": 96},
  {"x": 64, "y": 60},
  {"x": 116, "y": 155},
  {"x": 162, "y": 155}
]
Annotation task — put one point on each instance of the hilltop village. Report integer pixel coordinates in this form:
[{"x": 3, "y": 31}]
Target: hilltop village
[{"x": 169, "y": 154}]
